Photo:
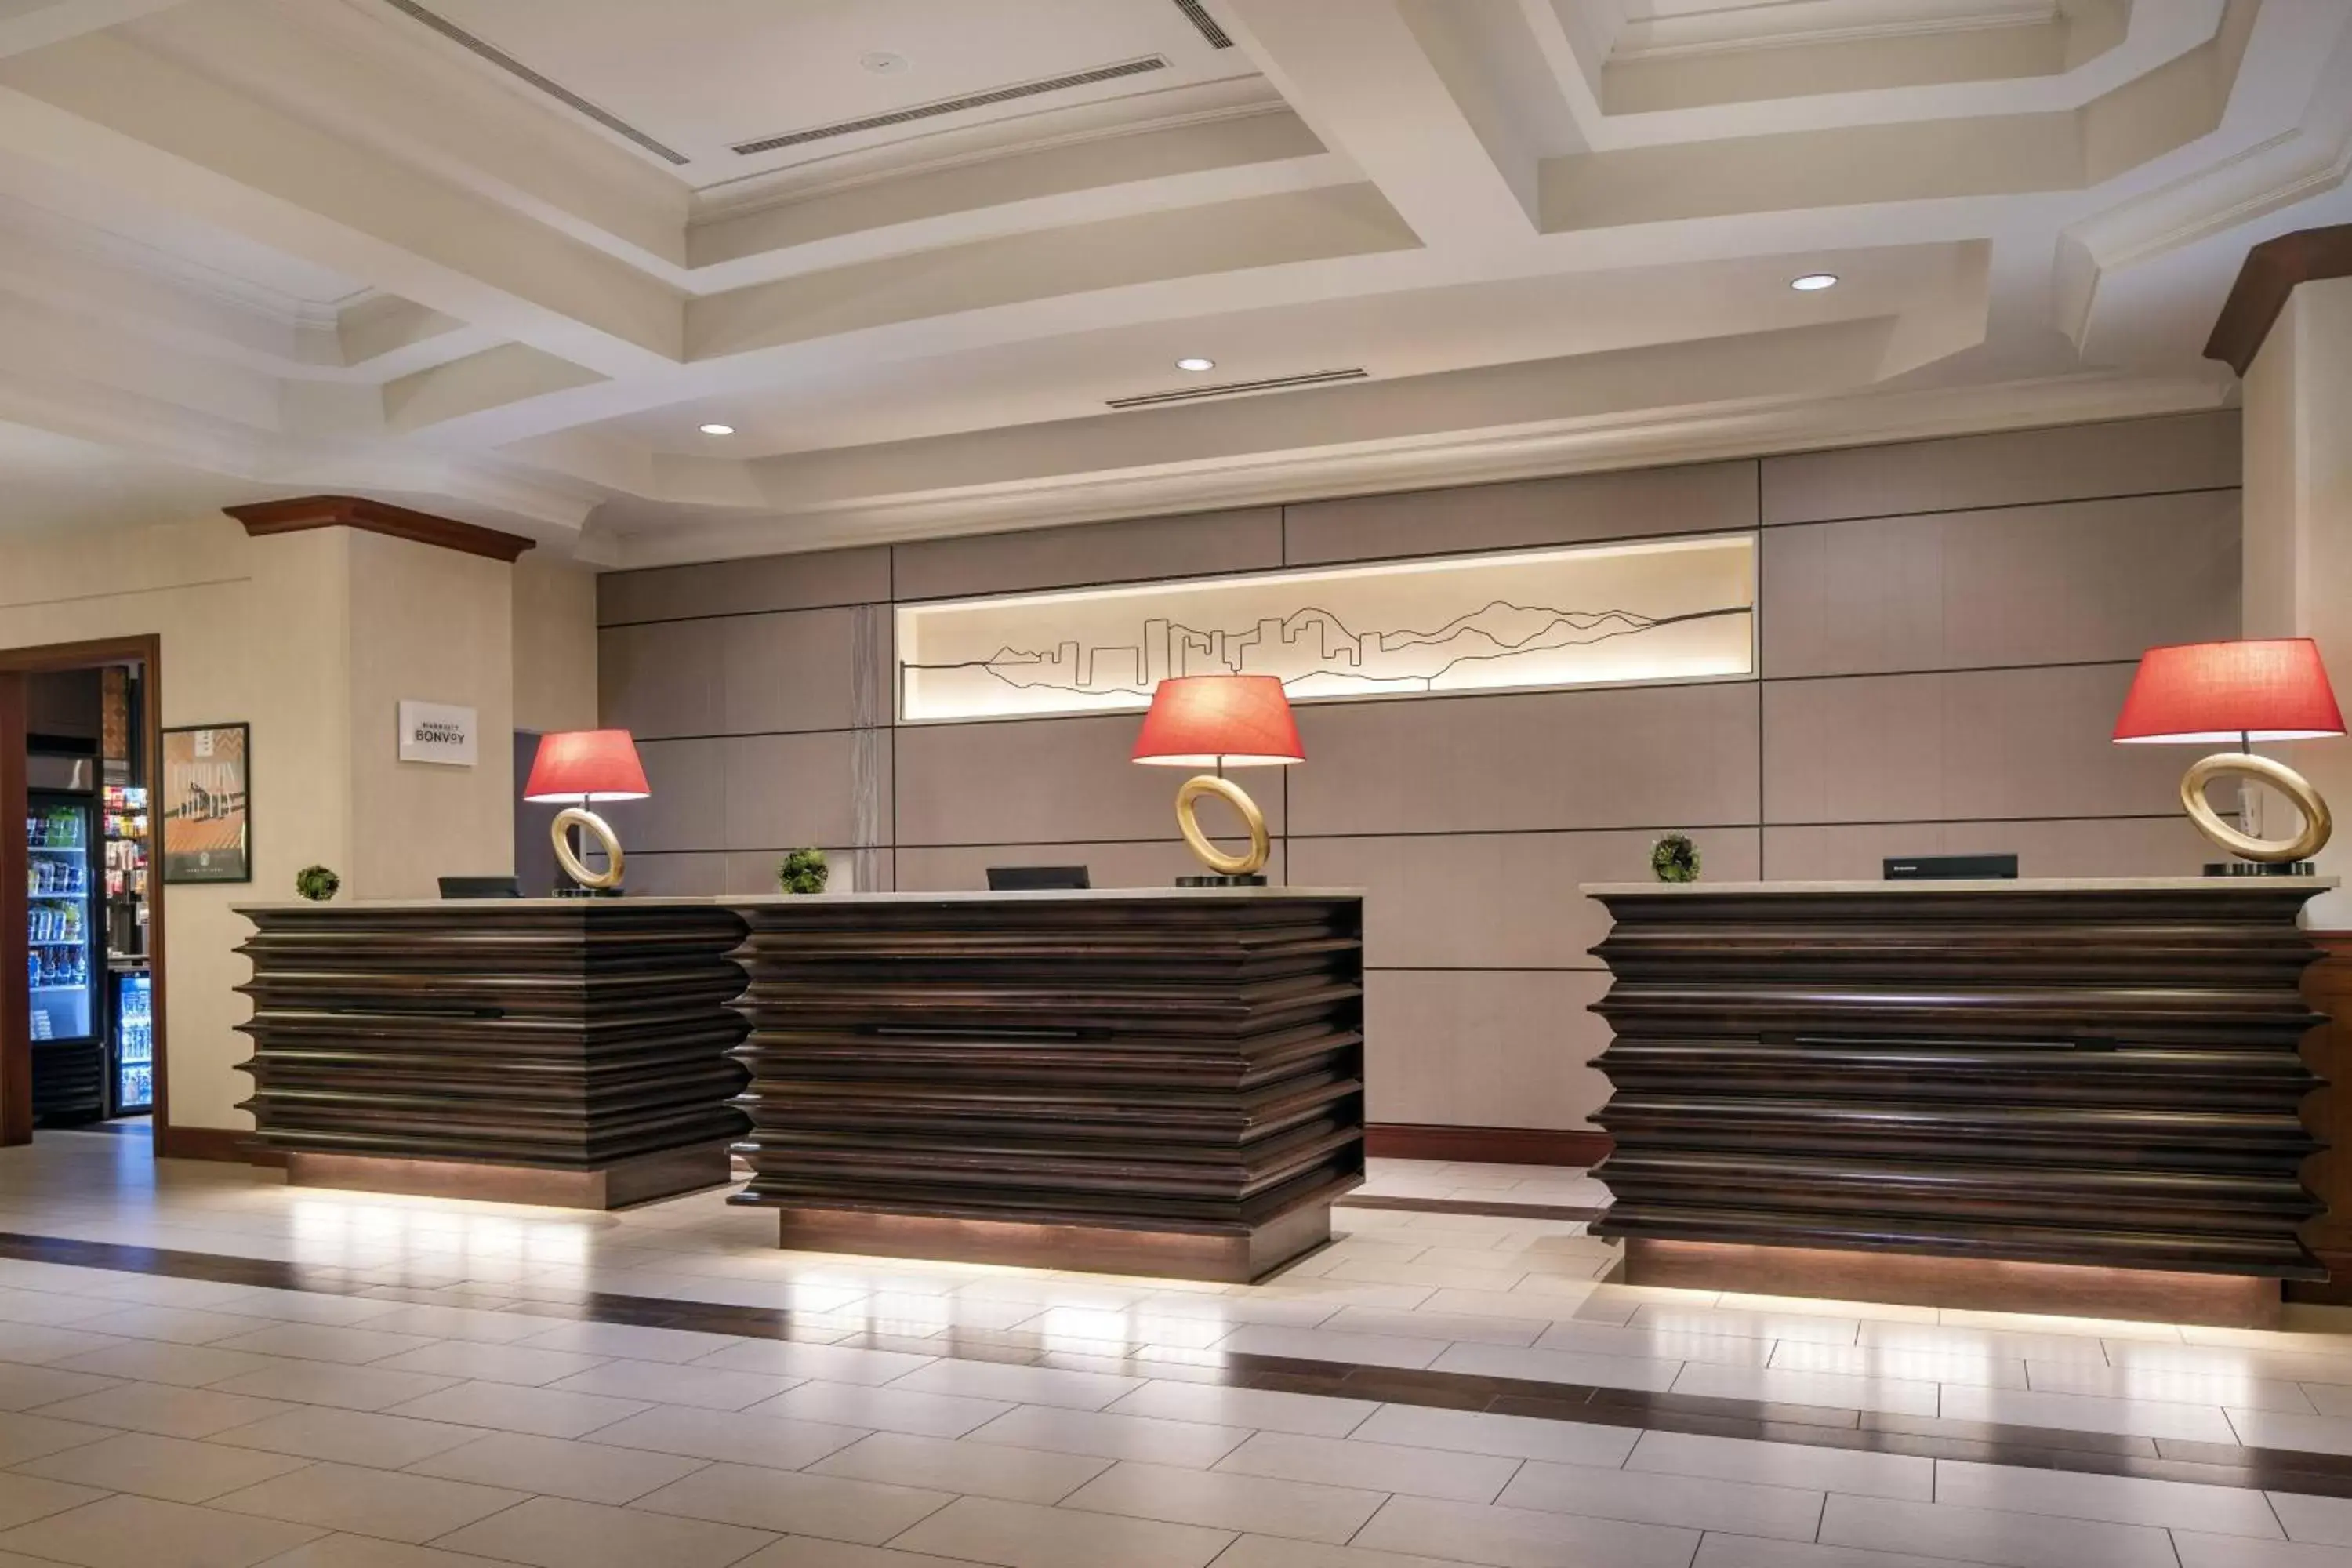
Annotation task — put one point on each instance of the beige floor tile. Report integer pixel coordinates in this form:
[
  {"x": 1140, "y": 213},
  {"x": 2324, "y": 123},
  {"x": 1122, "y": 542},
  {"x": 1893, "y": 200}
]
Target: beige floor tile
[
  {"x": 1142, "y": 1437},
  {"x": 1984, "y": 1535},
  {"x": 629, "y": 1340},
  {"x": 2080, "y": 1413},
  {"x": 2275, "y": 1429},
  {"x": 489, "y": 1362},
  {"x": 1522, "y": 1538},
  {"x": 330, "y": 1383},
  {"x": 24, "y": 1498},
  {"x": 1716, "y": 1550},
  {"x": 169, "y": 1467},
  {"x": 1227, "y": 1501},
  {"x": 324, "y": 1341},
  {"x": 1378, "y": 1467},
  {"x": 1650, "y": 1375},
  {"x": 23, "y": 1387},
  {"x": 705, "y": 1387},
  {"x": 777, "y": 1443},
  {"x": 1508, "y": 1436},
  {"x": 1323, "y": 1344},
  {"x": 883, "y": 1409},
  {"x": 38, "y": 1343},
  {"x": 1903, "y": 1365},
  {"x": 830, "y": 1507},
  {"x": 830, "y": 1364},
  {"x": 1270, "y": 1551},
  {"x": 1022, "y": 1535},
  {"x": 464, "y": 1323},
  {"x": 1788, "y": 1513},
  {"x": 554, "y": 1467},
  {"x": 2325, "y": 1521},
  {"x": 360, "y": 1551},
  {"x": 1266, "y": 1410},
  {"x": 1016, "y": 1384},
  {"x": 1786, "y": 1465},
  {"x": 349, "y": 1437},
  {"x": 2165, "y": 1387},
  {"x": 393, "y": 1504},
  {"x": 552, "y": 1533},
  {"x": 152, "y": 1361},
  {"x": 184, "y": 1325},
  {"x": 171, "y": 1412},
  {"x": 807, "y": 1551},
  {"x": 2126, "y": 1500},
  {"x": 975, "y": 1469},
  {"x": 512, "y": 1408},
  {"x": 304, "y": 1307},
  {"x": 142, "y": 1532}
]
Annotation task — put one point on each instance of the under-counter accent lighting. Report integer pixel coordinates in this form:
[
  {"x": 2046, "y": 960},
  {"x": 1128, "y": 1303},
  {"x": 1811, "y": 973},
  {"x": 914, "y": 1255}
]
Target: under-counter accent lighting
[
  {"x": 1195, "y": 362},
  {"x": 1811, "y": 281},
  {"x": 718, "y": 429}
]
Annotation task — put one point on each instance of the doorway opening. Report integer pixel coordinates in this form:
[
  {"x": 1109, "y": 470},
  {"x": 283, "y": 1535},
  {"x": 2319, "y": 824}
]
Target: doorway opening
[{"x": 82, "y": 1028}]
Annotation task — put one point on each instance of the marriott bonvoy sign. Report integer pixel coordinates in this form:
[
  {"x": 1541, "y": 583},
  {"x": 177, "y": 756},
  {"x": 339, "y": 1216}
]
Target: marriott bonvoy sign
[{"x": 437, "y": 732}]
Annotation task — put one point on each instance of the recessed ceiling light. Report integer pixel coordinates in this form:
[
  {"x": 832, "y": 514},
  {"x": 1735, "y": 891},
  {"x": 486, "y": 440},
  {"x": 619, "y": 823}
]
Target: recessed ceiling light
[
  {"x": 882, "y": 62},
  {"x": 718, "y": 429},
  {"x": 1194, "y": 362},
  {"x": 1813, "y": 281}
]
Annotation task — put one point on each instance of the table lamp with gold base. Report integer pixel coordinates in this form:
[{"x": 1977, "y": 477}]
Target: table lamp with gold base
[
  {"x": 1220, "y": 722},
  {"x": 588, "y": 767},
  {"x": 2270, "y": 689}
]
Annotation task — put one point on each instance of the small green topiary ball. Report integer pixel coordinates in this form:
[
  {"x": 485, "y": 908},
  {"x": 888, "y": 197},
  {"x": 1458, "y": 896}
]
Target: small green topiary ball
[
  {"x": 317, "y": 883},
  {"x": 1675, "y": 858},
  {"x": 803, "y": 871}
]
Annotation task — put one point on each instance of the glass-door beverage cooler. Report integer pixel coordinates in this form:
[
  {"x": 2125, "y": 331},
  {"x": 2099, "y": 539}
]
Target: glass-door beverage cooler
[{"x": 61, "y": 964}]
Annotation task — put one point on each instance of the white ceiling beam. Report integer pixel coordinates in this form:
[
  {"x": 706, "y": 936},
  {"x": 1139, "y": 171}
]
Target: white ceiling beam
[
  {"x": 1367, "y": 83},
  {"x": 104, "y": 110}
]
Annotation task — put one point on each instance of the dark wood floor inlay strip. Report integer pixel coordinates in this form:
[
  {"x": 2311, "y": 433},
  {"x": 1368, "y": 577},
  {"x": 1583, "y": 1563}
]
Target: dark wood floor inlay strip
[{"x": 2029, "y": 1447}]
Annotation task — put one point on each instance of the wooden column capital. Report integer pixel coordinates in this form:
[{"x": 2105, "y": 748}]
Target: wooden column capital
[
  {"x": 304, "y": 512},
  {"x": 2269, "y": 275}
]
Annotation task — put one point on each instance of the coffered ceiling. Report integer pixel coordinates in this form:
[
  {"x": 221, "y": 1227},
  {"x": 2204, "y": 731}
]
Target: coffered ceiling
[{"x": 504, "y": 258}]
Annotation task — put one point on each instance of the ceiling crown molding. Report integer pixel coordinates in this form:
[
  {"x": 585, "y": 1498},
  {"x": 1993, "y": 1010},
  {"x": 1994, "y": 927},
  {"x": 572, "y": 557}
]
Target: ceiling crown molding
[
  {"x": 2271, "y": 272},
  {"x": 305, "y": 513}
]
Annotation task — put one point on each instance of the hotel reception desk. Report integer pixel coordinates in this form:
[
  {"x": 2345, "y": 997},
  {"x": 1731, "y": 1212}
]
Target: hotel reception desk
[
  {"x": 2058, "y": 1095},
  {"x": 1150, "y": 1080}
]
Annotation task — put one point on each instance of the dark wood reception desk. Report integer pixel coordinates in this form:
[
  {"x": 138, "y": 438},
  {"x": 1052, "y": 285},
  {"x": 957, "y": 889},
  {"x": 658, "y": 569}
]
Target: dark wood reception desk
[
  {"x": 2070, "y": 1096},
  {"x": 1156, "y": 1081},
  {"x": 566, "y": 1051}
]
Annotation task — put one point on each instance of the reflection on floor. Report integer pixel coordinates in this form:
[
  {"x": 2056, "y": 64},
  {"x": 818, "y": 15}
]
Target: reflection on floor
[{"x": 440, "y": 1378}]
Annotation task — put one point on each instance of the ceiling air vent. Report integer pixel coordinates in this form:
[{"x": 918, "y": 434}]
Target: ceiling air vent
[
  {"x": 955, "y": 105},
  {"x": 516, "y": 68},
  {"x": 1238, "y": 388},
  {"x": 1198, "y": 15}
]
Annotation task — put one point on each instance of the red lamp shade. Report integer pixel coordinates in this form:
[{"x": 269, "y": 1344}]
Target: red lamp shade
[
  {"x": 586, "y": 765},
  {"x": 2266, "y": 690},
  {"x": 1210, "y": 721}
]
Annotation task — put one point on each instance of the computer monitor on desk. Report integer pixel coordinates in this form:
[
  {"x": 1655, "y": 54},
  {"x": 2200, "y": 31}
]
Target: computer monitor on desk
[
  {"x": 1034, "y": 878},
  {"x": 480, "y": 888}
]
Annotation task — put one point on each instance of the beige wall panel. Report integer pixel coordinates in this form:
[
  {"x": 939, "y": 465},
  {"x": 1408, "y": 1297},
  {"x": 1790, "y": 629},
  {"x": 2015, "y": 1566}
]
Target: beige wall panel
[
  {"x": 1143, "y": 550},
  {"x": 745, "y": 587},
  {"x": 1667, "y": 756},
  {"x": 784, "y": 791},
  {"x": 2037, "y": 584},
  {"x": 664, "y": 679},
  {"x": 2109, "y": 846},
  {"x": 795, "y": 670},
  {"x": 1959, "y": 747},
  {"x": 1048, "y": 780},
  {"x": 1505, "y": 900},
  {"x": 674, "y": 876},
  {"x": 1498, "y": 1048},
  {"x": 2135, "y": 456},
  {"x": 1705, "y": 497},
  {"x": 954, "y": 869},
  {"x": 555, "y": 645},
  {"x": 688, "y": 806}
]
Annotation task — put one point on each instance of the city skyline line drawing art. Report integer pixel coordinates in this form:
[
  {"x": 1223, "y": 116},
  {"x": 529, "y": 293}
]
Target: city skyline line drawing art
[{"x": 1400, "y": 660}]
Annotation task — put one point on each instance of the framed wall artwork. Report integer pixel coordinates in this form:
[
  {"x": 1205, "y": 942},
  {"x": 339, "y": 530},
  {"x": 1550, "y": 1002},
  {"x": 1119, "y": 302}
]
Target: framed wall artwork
[
  {"x": 206, "y": 804},
  {"x": 1624, "y": 614}
]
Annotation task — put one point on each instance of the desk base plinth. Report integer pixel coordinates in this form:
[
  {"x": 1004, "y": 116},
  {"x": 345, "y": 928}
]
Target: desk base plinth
[
  {"x": 1235, "y": 1255},
  {"x": 617, "y": 1185},
  {"x": 1978, "y": 1284}
]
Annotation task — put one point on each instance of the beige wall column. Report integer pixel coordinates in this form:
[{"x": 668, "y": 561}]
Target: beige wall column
[{"x": 2298, "y": 525}]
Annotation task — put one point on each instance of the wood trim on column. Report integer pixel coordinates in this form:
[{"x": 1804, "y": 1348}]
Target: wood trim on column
[
  {"x": 2269, "y": 275},
  {"x": 228, "y": 1145},
  {"x": 1486, "y": 1145},
  {"x": 305, "y": 513}
]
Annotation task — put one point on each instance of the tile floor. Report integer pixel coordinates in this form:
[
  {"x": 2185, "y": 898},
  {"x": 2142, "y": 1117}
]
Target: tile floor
[{"x": 422, "y": 1414}]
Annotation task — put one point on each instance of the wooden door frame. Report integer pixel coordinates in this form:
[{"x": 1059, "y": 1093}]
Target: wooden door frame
[{"x": 16, "y": 1021}]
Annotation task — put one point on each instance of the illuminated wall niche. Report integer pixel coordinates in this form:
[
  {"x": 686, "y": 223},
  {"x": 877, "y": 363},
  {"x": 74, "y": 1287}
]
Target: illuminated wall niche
[{"x": 1662, "y": 610}]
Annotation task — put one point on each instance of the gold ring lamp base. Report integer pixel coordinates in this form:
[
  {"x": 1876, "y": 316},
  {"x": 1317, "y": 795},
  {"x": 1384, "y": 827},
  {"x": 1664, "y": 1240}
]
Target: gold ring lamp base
[
  {"x": 1228, "y": 871},
  {"x": 591, "y": 884},
  {"x": 2257, "y": 857}
]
